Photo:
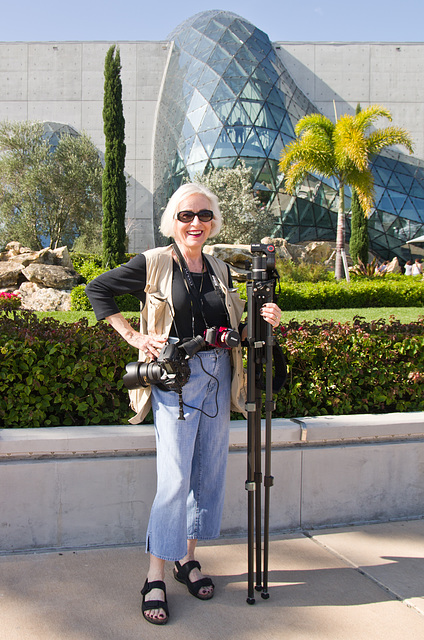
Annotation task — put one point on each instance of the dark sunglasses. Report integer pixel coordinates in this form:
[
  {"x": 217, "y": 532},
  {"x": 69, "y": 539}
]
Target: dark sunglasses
[{"x": 188, "y": 216}]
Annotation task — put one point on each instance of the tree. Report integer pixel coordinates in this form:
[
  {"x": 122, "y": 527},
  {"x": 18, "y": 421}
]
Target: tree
[
  {"x": 359, "y": 244},
  {"x": 244, "y": 219},
  {"x": 343, "y": 151},
  {"x": 49, "y": 196},
  {"x": 114, "y": 184}
]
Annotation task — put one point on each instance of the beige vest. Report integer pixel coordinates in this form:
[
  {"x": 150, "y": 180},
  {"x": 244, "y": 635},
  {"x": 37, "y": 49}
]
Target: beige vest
[{"x": 157, "y": 315}]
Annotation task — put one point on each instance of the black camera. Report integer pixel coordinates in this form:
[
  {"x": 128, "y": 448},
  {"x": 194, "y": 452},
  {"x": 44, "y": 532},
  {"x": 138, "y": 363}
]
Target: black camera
[
  {"x": 222, "y": 337},
  {"x": 170, "y": 371}
]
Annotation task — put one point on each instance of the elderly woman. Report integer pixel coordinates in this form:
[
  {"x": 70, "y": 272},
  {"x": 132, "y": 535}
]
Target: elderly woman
[{"x": 183, "y": 293}]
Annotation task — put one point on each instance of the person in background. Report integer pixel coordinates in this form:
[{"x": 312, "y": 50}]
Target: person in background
[
  {"x": 408, "y": 268},
  {"x": 417, "y": 268}
]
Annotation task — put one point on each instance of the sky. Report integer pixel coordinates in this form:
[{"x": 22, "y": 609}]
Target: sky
[{"x": 285, "y": 20}]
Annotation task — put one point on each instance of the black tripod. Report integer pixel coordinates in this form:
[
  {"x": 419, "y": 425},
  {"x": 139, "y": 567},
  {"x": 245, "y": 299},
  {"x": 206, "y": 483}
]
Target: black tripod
[{"x": 261, "y": 346}]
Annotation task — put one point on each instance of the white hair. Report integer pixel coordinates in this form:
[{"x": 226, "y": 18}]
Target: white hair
[{"x": 167, "y": 224}]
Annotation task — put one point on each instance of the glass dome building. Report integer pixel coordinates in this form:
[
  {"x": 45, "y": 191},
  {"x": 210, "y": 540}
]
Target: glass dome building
[
  {"x": 52, "y": 131},
  {"x": 227, "y": 97}
]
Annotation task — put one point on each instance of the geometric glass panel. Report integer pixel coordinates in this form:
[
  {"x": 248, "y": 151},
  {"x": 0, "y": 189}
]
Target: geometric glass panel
[{"x": 227, "y": 97}]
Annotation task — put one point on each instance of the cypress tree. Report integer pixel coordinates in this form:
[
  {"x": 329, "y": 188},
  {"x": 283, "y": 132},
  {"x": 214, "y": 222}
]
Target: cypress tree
[
  {"x": 114, "y": 194},
  {"x": 358, "y": 244}
]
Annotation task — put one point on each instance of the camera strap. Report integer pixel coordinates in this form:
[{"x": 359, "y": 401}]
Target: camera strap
[
  {"x": 189, "y": 283},
  {"x": 191, "y": 287}
]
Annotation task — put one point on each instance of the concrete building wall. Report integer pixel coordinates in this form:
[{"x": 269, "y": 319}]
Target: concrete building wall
[
  {"x": 387, "y": 73},
  {"x": 63, "y": 82}
]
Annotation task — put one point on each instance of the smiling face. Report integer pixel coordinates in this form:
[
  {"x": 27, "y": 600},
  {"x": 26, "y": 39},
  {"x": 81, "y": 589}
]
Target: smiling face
[{"x": 192, "y": 235}]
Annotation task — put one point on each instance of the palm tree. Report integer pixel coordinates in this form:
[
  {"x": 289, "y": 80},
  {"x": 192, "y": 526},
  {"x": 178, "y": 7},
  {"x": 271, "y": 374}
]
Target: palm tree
[{"x": 343, "y": 151}]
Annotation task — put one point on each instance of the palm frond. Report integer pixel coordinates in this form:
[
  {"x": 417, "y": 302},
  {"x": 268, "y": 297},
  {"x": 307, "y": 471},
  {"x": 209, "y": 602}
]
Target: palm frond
[
  {"x": 290, "y": 154},
  {"x": 363, "y": 183},
  {"x": 365, "y": 118},
  {"x": 294, "y": 176},
  {"x": 381, "y": 138},
  {"x": 314, "y": 121},
  {"x": 312, "y": 150},
  {"x": 350, "y": 144}
]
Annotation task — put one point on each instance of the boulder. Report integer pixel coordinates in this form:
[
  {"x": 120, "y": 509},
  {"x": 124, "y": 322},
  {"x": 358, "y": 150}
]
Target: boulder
[
  {"x": 61, "y": 257},
  {"x": 51, "y": 276},
  {"x": 394, "y": 266},
  {"x": 43, "y": 278},
  {"x": 285, "y": 250},
  {"x": 13, "y": 249},
  {"x": 10, "y": 274},
  {"x": 16, "y": 252},
  {"x": 317, "y": 252},
  {"x": 39, "y": 298},
  {"x": 235, "y": 255}
]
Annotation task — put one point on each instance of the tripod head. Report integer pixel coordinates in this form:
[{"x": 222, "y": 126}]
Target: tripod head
[{"x": 263, "y": 262}]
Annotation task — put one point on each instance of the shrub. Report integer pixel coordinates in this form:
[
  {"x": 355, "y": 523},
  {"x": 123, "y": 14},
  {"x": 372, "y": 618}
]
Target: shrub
[
  {"x": 9, "y": 302},
  {"x": 302, "y": 272},
  {"x": 387, "y": 292},
  {"x": 79, "y": 299},
  {"x": 347, "y": 369},
  {"x": 391, "y": 291},
  {"x": 89, "y": 267},
  {"x": 56, "y": 373}
]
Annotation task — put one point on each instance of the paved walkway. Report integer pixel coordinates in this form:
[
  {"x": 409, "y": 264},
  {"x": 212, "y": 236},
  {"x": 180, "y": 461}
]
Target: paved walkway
[{"x": 364, "y": 582}]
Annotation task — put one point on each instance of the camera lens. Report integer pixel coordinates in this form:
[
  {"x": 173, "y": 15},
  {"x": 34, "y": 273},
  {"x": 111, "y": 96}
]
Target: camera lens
[
  {"x": 140, "y": 374},
  {"x": 230, "y": 338}
]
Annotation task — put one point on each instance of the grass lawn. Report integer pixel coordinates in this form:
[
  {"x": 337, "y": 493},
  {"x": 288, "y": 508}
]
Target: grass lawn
[{"x": 403, "y": 314}]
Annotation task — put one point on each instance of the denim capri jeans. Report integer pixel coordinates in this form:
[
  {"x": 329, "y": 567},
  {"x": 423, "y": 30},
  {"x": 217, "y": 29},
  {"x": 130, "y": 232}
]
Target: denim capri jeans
[{"x": 191, "y": 457}]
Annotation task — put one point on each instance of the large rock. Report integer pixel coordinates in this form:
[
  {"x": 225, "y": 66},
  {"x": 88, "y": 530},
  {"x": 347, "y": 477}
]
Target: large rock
[
  {"x": 394, "y": 266},
  {"x": 317, "y": 252},
  {"x": 14, "y": 249},
  {"x": 234, "y": 254},
  {"x": 43, "y": 278},
  {"x": 39, "y": 298},
  {"x": 51, "y": 276},
  {"x": 10, "y": 274},
  {"x": 17, "y": 253}
]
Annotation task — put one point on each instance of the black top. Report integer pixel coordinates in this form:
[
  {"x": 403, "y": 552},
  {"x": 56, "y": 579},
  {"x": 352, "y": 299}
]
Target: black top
[{"x": 191, "y": 312}]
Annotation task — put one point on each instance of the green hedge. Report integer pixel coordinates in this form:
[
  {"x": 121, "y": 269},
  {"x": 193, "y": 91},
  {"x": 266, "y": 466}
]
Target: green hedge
[
  {"x": 89, "y": 267},
  {"x": 54, "y": 373},
  {"x": 359, "y": 293},
  {"x": 390, "y": 291},
  {"x": 80, "y": 301},
  {"x": 362, "y": 367}
]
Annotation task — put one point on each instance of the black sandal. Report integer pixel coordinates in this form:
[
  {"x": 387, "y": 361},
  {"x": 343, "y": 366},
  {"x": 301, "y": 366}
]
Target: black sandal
[
  {"x": 154, "y": 604},
  {"x": 181, "y": 573}
]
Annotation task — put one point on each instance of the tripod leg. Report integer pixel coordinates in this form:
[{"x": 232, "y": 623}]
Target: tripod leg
[
  {"x": 250, "y": 487},
  {"x": 268, "y": 480},
  {"x": 250, "y": 482},
  {"x": 258, "y": 488}
]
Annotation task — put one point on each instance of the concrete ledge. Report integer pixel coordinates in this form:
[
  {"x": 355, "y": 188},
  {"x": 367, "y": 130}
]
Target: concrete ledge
[
  {"x": 364, "y": 427},
  {"x": 88, "y": 486},
  {"x": 140, "y": 439}
]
